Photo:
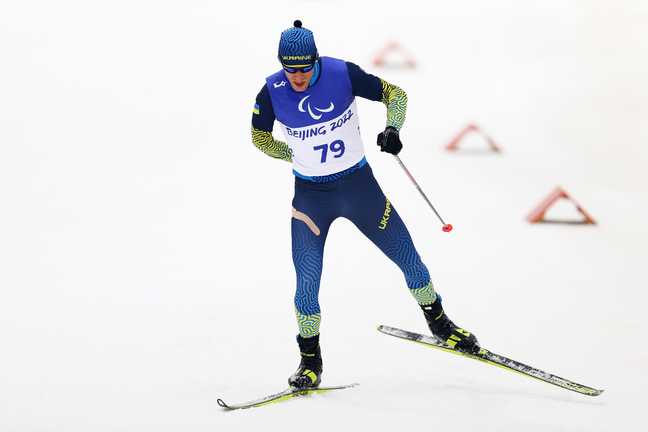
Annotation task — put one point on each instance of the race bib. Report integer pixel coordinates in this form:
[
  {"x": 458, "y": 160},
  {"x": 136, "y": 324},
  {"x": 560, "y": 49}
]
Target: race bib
[{"x": 328, "y": 147}]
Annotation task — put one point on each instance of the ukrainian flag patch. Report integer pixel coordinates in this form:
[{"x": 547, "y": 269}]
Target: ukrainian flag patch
[{"x": 256, "y": 109}]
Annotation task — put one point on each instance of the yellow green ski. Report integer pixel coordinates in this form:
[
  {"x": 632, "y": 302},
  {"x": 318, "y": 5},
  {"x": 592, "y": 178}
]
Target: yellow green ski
[
  {"x": 491, "y": 358},
  {"x": 281, "y": 396}
]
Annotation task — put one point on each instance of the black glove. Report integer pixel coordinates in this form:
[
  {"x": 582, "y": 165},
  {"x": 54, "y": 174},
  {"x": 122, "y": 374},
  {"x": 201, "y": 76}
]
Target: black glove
[{"x": 389, "y": 141}]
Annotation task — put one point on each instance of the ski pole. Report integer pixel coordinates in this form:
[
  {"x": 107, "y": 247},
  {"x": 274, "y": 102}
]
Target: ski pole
[{"x": 446, "y": 227}]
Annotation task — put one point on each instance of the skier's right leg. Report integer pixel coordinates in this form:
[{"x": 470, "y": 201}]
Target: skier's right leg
[{"x": 313, "y": 212}]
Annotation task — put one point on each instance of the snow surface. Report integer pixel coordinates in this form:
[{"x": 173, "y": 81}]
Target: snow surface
[{"x": 145, "y": 266}]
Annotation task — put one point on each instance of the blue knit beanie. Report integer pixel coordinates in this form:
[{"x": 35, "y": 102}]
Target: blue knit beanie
[{"x": 297, "y": 46}]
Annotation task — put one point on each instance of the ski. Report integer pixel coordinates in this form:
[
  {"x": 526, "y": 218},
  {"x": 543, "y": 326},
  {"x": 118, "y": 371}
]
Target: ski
[
  {"x": 281, "y": 396},
  {"x": 491, "y": 358}
]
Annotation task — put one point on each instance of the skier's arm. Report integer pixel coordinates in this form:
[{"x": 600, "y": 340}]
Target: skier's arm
[
  {"x": 264, "y": 141},
  {"x": 395, "y": 99},
  {"x": 262, "y": 123},
  {"x": 373, "y": 88}
]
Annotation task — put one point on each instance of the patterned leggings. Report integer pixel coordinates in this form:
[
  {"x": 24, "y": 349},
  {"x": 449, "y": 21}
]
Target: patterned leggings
[{"x": 358, "y": 198}]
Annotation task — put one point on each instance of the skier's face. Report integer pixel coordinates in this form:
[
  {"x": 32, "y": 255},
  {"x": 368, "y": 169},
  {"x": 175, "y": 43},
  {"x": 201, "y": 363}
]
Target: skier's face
[{"x": 299, "y": 80}]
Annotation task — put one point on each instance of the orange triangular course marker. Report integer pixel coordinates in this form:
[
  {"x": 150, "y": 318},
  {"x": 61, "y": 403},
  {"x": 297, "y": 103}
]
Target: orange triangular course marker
[
  {"x": 407, "y": 61},
  {"x": 538, "y": 213},
  {"x": 471, "y": 127}
]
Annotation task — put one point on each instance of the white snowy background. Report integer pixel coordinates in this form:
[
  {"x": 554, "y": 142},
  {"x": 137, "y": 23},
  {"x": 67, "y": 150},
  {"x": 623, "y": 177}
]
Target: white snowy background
[{"x": 145, "y": 265}]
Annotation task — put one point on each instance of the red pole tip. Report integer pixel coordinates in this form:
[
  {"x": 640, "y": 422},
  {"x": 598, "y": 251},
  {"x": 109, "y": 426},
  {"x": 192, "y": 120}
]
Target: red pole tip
[{"x": 447, "y": 228}]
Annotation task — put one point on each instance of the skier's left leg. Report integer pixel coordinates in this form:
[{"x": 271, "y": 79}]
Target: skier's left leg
[{"x": 377, "y": 219}]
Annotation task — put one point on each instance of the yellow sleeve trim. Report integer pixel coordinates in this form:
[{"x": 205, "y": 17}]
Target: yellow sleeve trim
[
  {"x": 265, "y": 142},
  {"x": 395, "y": 99}
]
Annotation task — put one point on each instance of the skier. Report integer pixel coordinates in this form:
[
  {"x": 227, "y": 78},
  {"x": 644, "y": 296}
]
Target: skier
[{"x": 313, "y": 99}]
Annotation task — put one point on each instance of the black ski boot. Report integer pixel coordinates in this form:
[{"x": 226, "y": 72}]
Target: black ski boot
[
  {"x": 309, "y": 373},
  {"x": 446, "y": 331}
]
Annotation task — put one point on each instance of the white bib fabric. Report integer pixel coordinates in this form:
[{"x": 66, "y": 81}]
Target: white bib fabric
[{"x": 326, "y": 148}]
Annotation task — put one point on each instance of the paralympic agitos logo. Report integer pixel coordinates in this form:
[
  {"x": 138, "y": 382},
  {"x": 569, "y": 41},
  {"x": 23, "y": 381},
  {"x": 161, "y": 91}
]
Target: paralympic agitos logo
[{"x": 300, "y": 107}]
